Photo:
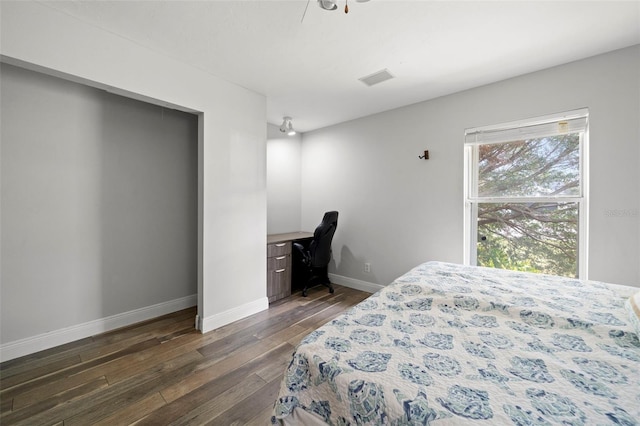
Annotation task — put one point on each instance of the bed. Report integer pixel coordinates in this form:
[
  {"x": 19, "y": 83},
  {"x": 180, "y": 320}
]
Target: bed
[{"x": 450, "y": 344}]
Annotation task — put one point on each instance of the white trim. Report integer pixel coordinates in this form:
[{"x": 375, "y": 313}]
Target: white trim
[
  {"x": 577, "y": 121},
  {"x": 579, "y": 113},
  {"x": 353, "y": 283},
  {"x": 234, "y": 314},
  {"x": 59, "y": 337},
  {"x": 540, "y": 199},
  {"x": 583, "y": 232},
  {"x": 470, "y": 235}
]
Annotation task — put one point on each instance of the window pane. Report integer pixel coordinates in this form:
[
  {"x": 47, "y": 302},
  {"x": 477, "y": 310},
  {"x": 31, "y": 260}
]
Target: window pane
[
  {"x": 537, "y": 237},
  {"x": 548, "y": 166}
]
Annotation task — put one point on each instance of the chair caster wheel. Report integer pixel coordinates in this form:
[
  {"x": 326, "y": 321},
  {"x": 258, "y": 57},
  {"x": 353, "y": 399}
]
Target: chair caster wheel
[
  {"x": 331, "y": 290},
  {"x": 304, "y": 293}
]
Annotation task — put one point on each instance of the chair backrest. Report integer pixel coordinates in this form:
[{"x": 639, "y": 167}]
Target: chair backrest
[{"x": 320, "y": 247}]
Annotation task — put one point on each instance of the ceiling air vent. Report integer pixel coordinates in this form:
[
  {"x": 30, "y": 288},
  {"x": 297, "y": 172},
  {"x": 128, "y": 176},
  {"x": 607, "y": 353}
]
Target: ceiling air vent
[{"x": 376, "y": 77}]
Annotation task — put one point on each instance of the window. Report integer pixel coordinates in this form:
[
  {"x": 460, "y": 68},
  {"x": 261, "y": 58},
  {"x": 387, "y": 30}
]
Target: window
[{"x": 526, "y": 195}]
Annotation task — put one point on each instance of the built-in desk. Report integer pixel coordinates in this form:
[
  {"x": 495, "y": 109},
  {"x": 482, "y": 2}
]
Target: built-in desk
[{"x": 279, "y": 263}]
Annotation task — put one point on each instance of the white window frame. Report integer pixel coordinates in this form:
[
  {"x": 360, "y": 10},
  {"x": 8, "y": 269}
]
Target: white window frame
[{"x": 482, "y": 135}]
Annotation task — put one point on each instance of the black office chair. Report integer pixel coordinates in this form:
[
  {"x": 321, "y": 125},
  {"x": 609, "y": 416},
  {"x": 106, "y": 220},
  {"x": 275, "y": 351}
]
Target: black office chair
[{"x": 316, "y": 257}]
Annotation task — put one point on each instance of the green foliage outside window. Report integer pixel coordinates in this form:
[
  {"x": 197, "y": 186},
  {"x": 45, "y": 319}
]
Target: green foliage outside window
[{"x": 524, "y": 235}]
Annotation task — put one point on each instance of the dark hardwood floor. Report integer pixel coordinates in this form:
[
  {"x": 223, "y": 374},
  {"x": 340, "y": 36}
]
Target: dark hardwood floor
[{"x": 163, "y": 372}]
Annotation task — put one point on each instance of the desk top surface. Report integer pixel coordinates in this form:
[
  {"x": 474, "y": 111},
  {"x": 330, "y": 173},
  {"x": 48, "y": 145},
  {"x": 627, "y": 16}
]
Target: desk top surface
[{"x": 288, "y": 236}]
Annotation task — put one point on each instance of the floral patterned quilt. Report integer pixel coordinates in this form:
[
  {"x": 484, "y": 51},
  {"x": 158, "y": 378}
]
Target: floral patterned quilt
[{"x": 451, "y": 344}]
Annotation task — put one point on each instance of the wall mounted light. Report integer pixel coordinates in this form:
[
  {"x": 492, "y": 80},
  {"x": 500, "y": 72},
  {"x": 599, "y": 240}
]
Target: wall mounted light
[{"x": 287, "y": 127}]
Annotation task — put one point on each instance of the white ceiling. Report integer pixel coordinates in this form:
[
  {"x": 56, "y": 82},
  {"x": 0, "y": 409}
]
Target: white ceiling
[{"x": 309, "y": 68}]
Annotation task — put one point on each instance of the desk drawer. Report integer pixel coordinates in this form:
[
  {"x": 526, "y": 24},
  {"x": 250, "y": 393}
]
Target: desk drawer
[
  {"x": 278, "y": 249},
  {"x": 279, "y": 262},
  {"x": 278, "y": 270},
  {"x": 278, "y": 277},
  {"x": 279, "y": 284}
]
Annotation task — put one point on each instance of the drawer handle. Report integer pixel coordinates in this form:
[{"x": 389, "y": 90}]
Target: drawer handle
[
  {"x": 280, "y": 257},
  {"x": 280, "y": 270},
  {"x": 281, "y": 245}
]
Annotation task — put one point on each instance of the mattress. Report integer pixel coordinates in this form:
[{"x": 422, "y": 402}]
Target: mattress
[{"x": 451, "y": 344}]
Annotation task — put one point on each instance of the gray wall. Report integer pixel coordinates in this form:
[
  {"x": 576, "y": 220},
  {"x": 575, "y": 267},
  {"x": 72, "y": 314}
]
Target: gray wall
[
  {"x": 99, "y": 204},
  {"x": 397, "y": 211},
  {"x": 283, "y": 181}
]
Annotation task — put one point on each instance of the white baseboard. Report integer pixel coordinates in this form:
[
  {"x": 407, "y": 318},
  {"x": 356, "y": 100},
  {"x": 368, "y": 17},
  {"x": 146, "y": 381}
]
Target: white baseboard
[
  {"x": 51, "y": 339},
  {"x": 239, "y": 312},
  {"x": 353, "y": 283}
]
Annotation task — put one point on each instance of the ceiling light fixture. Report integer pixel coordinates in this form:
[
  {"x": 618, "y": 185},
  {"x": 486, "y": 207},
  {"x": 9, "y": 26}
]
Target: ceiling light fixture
[
  {"x": 327, "y": 4},
  {"x": 332, "y": 4},
  {"x": 287, "y": 126}
]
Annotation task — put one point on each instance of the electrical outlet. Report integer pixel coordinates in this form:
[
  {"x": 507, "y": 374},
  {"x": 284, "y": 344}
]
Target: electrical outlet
[{"x": 367, "y": 267}]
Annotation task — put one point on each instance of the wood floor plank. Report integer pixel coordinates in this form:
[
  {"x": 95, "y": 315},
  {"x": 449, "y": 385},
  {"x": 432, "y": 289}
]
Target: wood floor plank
[
  {"x": 322, "y": 317},
  {"x": 213, "y": 407},
  {"x": 245, "y": 410},
  {"x": 235, "y": 360},
  {"x": 224, "y": 346},
  {"x": 262, "y": 418},
  {"x": 162, "y": 371},
  {"x": 80, "y": 372},
  {"x": 53, "y": 388},
  {"x": 113, "y": 396},
  {"x": 126, "y": 392},
  {"x": 165, "y": 329},
  {"x": 295, "y": 340},
  {"x": 290, "y": 318},
  {"x": 152, "y": 325},
  {"x": 47, "y": 356},
  {"x": 50, "y": 357},
  {"x": 150, "y": 359},
  {"x": 288, "y": 333},
  {"x": 274, "y": 368},
  {"x": 38, "y": 372},
  {"x": 212, "y": 388},
  {"x": 134, "y": 412},
  {"x": 6, "y": 405},
  {"x": 41, "y": 408}
]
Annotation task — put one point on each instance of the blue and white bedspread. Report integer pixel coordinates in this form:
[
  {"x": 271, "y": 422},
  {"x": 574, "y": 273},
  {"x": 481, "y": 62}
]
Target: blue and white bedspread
[{"x": 450, "y": 344}]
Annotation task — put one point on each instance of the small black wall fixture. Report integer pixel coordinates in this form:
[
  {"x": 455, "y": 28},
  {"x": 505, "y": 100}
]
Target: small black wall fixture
[{"x": 425, "y": 156}]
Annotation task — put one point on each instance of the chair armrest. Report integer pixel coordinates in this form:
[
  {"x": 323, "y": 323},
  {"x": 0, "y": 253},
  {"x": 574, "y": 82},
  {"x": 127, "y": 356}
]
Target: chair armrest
[{"x": 304, "y": 253}]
